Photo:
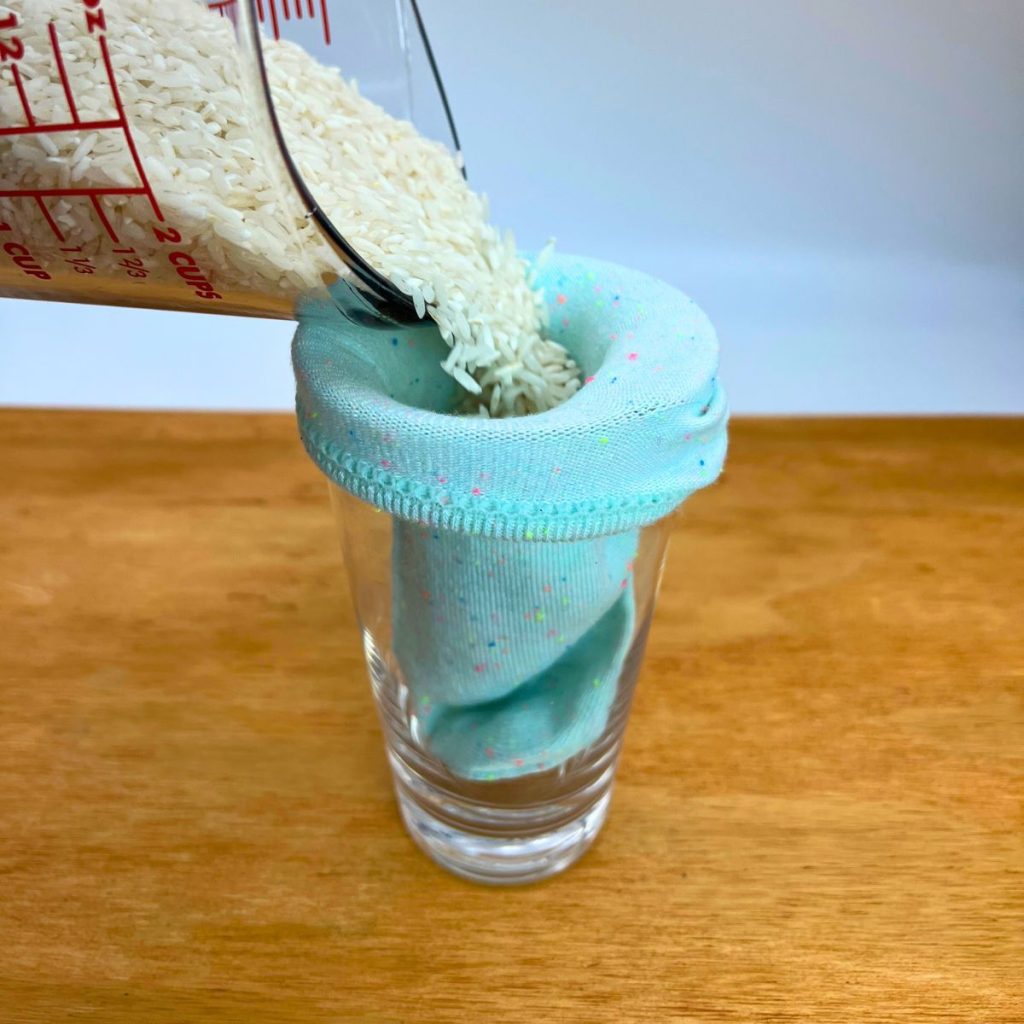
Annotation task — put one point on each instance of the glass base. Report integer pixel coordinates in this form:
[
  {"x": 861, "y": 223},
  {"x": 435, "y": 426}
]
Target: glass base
[
  {"x": 504, "y": 831},
  {"x": 500, "y": 860}
]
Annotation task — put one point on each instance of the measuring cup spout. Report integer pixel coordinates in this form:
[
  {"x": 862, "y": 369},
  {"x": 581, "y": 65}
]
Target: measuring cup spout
[{"x": 140, "y": 173}]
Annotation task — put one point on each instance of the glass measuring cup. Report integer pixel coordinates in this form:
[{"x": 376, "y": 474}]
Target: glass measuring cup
[{"x": 89, "y": 211}]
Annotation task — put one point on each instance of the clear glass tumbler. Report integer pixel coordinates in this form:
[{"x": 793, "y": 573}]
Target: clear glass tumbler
[{"x": 499, "y": 830}]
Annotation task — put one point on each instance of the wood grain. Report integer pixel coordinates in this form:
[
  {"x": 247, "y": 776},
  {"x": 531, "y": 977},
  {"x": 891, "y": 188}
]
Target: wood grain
[{"x": 818, "y": 816}]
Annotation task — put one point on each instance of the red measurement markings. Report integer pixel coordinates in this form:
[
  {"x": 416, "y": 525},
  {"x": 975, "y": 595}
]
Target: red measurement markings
[
  {"x": 48, "y": 217},
  {"x": 327, "y": 22},
  {"x": 59, "y": 60},
  {"x": 12, "y": 48},
  {"x": 181, "y": 262},
  {"x": 51, "y": 129},
  {"x": 140, "y": 170},
  {"x": 31, "y": 193},
  {"x": 262, "y": 13},
  {"x": 20, "y": 86},
  {"x": 79, "y": 264},
  {"x": 101, "y": 213},
  {"x": 25, "y": 260},
  {"x": 134, "y": 267}
]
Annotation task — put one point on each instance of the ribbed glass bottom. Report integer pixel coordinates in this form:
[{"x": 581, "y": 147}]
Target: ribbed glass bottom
[
  {"x": 500, "y": 861},
  {"x": 507, "y": 831}
]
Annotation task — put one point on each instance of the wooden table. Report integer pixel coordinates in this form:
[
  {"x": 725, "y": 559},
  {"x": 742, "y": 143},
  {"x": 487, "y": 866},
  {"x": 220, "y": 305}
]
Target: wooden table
[{"x": 818, "y": 815}]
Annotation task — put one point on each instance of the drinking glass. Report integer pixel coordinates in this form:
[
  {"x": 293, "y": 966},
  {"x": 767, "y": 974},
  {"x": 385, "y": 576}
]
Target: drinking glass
[{"x": 498, "y": 830}]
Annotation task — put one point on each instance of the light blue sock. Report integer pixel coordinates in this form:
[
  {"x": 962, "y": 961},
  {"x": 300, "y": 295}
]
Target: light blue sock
[
  {"x": 507, "y": 647},
  {"x": 547, "y": 719},
  {"x": 553, "y": 501}
]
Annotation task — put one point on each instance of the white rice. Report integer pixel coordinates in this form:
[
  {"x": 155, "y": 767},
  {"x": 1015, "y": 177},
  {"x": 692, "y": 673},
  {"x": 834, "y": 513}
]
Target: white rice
[{"x": 399, "y": 198}]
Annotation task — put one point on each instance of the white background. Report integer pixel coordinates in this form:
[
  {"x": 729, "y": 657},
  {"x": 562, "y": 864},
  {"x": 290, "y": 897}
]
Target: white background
[{"x": 840, "y": 184}]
